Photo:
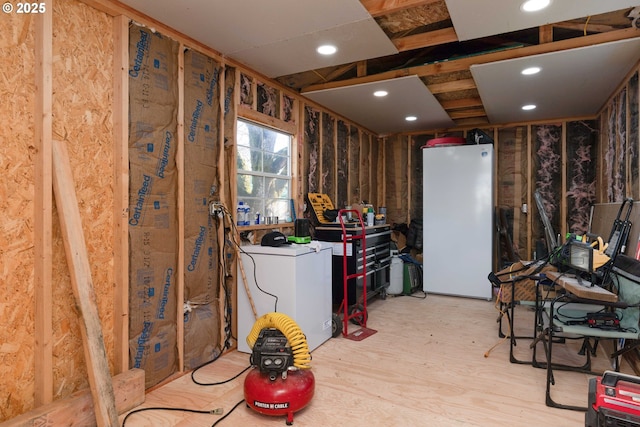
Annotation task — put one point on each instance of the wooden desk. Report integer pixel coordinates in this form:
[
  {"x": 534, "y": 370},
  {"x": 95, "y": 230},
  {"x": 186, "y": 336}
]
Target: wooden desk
[{"x": 570, "y": 283}]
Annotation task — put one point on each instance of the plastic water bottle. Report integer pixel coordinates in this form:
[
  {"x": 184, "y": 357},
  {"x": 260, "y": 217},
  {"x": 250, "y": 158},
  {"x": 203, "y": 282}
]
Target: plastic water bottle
[
  {"x": 247, "y": 215},
  {"x": 241, "y": 214}
]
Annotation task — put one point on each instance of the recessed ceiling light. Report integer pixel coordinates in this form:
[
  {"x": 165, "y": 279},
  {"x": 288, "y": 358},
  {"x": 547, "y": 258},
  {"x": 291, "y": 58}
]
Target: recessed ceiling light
[
  {"x": 411, "y": 118},
  {"x": 531, "y": 70},
  {"x": 327, "y": 49},
  {"x": 534, "y": 5},
  {"x": 380, "y": 93},
  {"x": 529, "y": 107}
]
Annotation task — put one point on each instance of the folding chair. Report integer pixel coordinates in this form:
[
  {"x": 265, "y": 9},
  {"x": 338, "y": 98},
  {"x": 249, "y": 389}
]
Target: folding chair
[
  {"x": 518, "y": 285},
  {"x": 570, "y": 317}
]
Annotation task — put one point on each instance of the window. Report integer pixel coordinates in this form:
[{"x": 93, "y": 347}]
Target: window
[{"x": 264, "y": 170}]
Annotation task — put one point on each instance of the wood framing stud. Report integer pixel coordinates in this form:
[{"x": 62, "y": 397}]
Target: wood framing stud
[
  {"x": 80, "y": 271},
  {"x": 43, "y": 209},
  {"x": 121, "y": 191}
]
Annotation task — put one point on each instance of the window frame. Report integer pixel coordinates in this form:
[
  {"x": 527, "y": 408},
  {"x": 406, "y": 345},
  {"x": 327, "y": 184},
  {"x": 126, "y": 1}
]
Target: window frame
[{"x": 289, "y": 177}]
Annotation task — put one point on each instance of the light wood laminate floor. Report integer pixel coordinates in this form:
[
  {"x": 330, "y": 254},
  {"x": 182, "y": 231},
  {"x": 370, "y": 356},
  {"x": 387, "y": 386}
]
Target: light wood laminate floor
[{"x": 425, "y": 366}]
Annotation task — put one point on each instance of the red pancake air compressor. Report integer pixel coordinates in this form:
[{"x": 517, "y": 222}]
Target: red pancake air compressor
[
  {"x": 614, "y": 401},
  {"x": 280, "y": 382}
]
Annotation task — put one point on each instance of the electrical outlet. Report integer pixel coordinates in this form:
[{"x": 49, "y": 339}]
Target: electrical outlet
[{"x": 216, "y": 209}]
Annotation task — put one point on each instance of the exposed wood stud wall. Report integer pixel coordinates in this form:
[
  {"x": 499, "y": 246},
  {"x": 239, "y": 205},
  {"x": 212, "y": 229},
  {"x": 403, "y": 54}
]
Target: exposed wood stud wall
[
  {"x": 83, "y": 60},
  {"x": 106, "y": 36},
  {"x": 77, "y": 256}
]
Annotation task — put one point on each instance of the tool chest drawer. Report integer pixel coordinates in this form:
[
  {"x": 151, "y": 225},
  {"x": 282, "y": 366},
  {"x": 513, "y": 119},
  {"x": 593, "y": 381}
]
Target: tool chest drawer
[{"x": 376, "y": 256}]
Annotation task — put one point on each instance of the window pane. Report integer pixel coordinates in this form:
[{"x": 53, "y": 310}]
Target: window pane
[
  {"x": 283, "y": 144},
  {"x": 277, "y": 165},
  {"x": 263, "y": 168},
  {"x": 242, "y": 134},
  {"x": 243, "y": 159},
  {"x": 255, "y": 137},
  {"x": 277, "y": 188},
  {"x": 249, "y": 160},
  {"x": 250, "y": 186},
  {"x": 269, "y": 139},
  {"x": 279, "y": 208},
  {"x": 256, "y": 206}
]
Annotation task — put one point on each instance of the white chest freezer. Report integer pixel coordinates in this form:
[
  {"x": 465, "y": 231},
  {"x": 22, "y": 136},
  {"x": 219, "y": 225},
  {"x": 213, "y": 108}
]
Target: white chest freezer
[{"x": 301, "y": 279}]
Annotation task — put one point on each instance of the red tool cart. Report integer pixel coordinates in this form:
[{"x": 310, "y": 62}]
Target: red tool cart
[{"x": 358, "y": 311}]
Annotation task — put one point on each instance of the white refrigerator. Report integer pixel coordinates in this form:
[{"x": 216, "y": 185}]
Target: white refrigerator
[{"x": 458, "y": 220}]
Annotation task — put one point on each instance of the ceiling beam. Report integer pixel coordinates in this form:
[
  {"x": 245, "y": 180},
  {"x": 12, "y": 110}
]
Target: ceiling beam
[
  {"x": 466, "y": 114},
  {"x": 545, "y": 34},
  {"x": 463, "y": 64},
  {"x": 593, "y": 28},
  {"x": 472, "y": 121},
  {"x": 455, "y": 104},
  {"x": 431, "y": 38},
  {"x": 361, "y": 68},
  {"x": 385, "y": 7},
  {"x": 452, "y": 86}
]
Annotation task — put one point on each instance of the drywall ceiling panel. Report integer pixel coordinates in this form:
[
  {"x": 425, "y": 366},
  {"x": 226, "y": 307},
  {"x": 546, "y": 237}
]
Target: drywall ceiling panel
[
  {"x": 473, "y": 19},
  {"x": 406, "y": 96},
  {"x": 571, "y": 83},
  {"x": 356, "y": 41},
  {"x": 253, "y": 31}
]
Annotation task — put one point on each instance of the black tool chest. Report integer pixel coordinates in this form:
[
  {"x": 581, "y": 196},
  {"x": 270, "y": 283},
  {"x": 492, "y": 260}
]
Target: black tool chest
[{"x": 377, "y": 254}]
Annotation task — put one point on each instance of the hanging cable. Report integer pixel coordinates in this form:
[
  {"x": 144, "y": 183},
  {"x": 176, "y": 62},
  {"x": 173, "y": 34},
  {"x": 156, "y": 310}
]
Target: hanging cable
[
  {"x": 586, "y": 24},
  {"x": 255, "y": 277}
]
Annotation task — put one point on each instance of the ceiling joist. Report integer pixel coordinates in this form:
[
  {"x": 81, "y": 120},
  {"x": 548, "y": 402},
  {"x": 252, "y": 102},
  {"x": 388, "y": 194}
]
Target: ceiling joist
[
  {"x": 452, "y": 86},
  {"x": 456, "y": 104},
  {"x": 431, "y": 38},
  {"x": 463, "y": 64}
]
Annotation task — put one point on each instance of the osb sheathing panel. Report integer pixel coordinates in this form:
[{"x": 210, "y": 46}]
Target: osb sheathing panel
[
  {"x": 453, "y": 96},
  {"x": 447, "y": 77},
  {"x": 82, "y": 118},
  {"x": 17, "y": 156},
  {"x": 407, "y": 20}
]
